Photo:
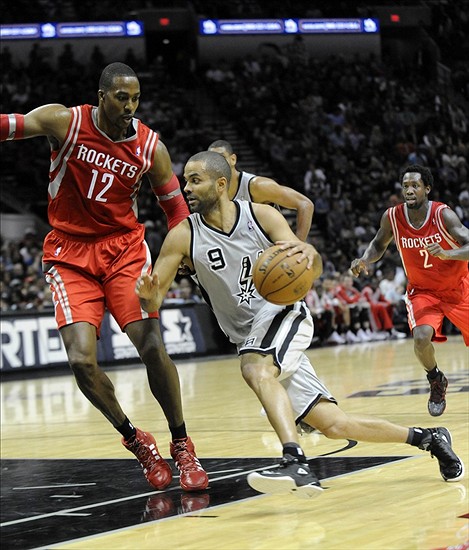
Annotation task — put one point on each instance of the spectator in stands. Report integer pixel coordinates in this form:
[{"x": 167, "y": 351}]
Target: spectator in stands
[
  {"x": 381, "y": 313},
  {"x": 392, "y": 284},
  {"x": 341, "y": 319},
  {"x": 462, "y": 208},
  {"x": 323, "y": 315},
  {"x": 358, "y": 308},
  {"x": 314, "y": 179},
  {"x": 184, "y": 291}
]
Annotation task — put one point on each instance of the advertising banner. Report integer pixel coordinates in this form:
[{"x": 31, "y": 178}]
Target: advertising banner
[{"x": 32, "y": 341}]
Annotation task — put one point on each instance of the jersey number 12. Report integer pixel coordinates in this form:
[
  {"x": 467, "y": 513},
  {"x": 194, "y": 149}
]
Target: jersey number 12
[{"x": 106, "y": 180}]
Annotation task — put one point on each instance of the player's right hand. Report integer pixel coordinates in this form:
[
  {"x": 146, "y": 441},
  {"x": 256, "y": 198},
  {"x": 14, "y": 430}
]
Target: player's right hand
[{"x": 358, "y": 265}]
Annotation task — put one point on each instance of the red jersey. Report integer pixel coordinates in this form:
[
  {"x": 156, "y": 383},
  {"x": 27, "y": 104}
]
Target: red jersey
[
  {"x": 93, "y": 180},
  {"x": 424, "y": 271},
  {"x": 347, "y": 295}
]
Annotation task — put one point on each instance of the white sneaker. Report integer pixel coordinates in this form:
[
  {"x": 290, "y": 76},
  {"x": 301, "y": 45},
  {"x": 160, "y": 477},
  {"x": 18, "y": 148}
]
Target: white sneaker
[
  {"x": 352, "y": 338},
  {"x": 336, "y": 338},
  {"x": 396, "y": 335},
  {"x": 376, "y": 336},
  {"x": 363, "y": 336}
]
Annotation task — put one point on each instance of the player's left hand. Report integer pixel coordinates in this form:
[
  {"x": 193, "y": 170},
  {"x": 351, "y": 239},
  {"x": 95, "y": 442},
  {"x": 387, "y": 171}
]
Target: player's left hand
[
  {"x": 436, "y": 250},
  {"x": 146, "y": 288}
]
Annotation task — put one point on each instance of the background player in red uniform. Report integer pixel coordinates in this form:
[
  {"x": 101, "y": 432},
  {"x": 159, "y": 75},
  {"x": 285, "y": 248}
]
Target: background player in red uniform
[
  {"x": 434, "y": 249},
  {"x": 96, "y": 250}
]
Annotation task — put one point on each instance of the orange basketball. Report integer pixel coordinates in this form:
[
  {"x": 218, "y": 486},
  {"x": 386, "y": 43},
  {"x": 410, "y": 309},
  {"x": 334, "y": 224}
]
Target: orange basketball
[{"x": 279, "y": 278}]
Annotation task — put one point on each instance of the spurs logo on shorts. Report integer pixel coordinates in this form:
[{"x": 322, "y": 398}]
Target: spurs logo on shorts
[{"x": 250, "y": 341}]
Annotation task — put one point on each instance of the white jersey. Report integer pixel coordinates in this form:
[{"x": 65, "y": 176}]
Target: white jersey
[
  {"x": 223, "y": 270},
  {"x": 243, "y": 193}
]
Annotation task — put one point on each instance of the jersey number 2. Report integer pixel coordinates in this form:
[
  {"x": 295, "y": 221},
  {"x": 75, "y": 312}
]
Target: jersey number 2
[
  {"x": 106, "y": 180},
  {"x": 426, "y": 257}
]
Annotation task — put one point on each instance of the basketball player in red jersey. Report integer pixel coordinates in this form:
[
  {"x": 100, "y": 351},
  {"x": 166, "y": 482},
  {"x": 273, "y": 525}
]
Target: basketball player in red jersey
[
  {"x": 434, "y": 249},
  {"x": 96, "y": 250}
]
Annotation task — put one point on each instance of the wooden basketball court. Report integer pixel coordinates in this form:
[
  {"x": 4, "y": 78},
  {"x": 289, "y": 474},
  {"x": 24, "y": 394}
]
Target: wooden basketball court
[{"x": 67, "y": 482}]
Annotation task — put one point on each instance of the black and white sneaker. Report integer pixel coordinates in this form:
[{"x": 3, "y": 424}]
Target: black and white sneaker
[
  {"x": 438, "y": 442},
  {"x": 437, "y": 399},
  {"x": 292, "y": 476}
]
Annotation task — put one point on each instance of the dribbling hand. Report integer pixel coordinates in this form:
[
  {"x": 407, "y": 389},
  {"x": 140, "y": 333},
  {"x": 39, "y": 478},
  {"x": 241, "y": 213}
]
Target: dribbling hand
[{"x": 303, "y": 249}]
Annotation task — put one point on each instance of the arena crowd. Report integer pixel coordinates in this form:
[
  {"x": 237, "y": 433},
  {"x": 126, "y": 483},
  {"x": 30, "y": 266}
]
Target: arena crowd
[{"x": 338, "y": 130}]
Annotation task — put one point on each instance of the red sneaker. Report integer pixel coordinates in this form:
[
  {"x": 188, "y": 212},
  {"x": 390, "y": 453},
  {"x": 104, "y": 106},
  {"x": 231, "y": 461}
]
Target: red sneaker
[
  {"x": 192, "y": 477},
  {"x": 157, "y": 471},
  {"x": 159, "y": 506},
  {"x": 193, "y": 502}
]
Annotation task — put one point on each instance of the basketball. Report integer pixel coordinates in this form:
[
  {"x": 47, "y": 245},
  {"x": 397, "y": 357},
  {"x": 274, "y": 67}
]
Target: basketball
[{"x": 279, "y": 278}]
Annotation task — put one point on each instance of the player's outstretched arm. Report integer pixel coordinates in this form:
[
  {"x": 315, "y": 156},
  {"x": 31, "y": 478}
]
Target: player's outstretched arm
[{"x": 48, "y": 120}]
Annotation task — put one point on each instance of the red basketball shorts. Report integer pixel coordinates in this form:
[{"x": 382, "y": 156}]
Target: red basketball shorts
[
  {"x": 88, "y": 275},
  {"x": 424, "y": 308}
]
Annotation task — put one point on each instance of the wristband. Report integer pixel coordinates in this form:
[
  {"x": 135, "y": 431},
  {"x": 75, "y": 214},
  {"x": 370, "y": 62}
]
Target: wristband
[
  {"x": 171, "y": 201},
  {"x": 168, "y": 190},
  {"x": 11, "y": 127}
]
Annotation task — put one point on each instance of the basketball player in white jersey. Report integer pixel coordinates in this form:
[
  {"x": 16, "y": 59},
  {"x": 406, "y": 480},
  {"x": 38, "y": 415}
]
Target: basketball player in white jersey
[
  {"x": 220, "y": 242},
  {"x": 249, "y": 187}
]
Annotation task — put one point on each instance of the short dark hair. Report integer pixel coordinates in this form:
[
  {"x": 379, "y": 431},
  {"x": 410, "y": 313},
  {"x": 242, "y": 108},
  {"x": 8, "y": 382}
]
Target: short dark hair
[
  {"x": 112, "y": 71},
  {"x": 425, "y": 173},
  {"x": 221, "y": 144},
  {"x": 215, "y": 164}
]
